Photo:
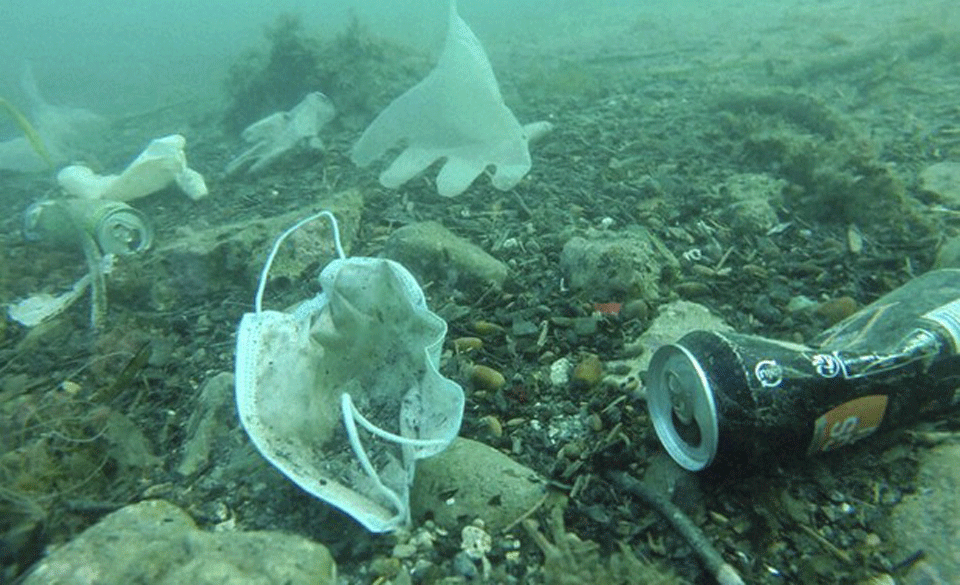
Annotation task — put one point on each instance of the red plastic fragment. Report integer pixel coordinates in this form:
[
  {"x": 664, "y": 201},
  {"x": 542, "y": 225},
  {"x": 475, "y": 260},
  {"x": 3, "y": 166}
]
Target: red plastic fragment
[{"x": 608, "y": 308}]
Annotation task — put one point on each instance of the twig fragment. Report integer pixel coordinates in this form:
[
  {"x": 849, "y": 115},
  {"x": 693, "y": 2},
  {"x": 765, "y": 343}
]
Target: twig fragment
[{"x": 722, "y": 571}]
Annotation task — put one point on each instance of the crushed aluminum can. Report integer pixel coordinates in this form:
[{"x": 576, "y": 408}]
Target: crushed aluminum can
[
  {"x": 116, "y": 227},
  {"x": 728, "y": 397}
]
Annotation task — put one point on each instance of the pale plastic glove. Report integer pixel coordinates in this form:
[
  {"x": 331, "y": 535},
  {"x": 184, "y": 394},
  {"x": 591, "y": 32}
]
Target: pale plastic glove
[
  {"x": 161, "y": 163},
  {"x": 281, "y": 132},
  {"x": 456, "y": 112}
]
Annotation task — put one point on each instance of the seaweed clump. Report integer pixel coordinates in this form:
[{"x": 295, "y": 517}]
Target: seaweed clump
[
  {"x": 359, "y": 72},
  {"x": 571, "y": 561},
  {"x": 63, "y": 459},
  {"x": 834, "y": 171}
]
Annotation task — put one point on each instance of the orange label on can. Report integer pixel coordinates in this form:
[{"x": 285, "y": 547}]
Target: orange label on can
[{"x": 847, "y": 423}]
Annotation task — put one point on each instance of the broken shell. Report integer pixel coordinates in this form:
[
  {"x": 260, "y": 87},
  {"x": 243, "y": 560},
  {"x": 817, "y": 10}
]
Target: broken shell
[
  {"x": 854, "y": 239},
  {"x": 475, "y": 542}
]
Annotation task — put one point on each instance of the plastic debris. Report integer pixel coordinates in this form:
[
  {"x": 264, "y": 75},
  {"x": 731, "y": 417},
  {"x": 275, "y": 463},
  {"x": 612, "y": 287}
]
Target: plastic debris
[
  {"x": 163, "y": 162},
  {"x": 282, "y": 132},
  {"x": 456, "y": 112},
  {"x": 344, "y": 394}
]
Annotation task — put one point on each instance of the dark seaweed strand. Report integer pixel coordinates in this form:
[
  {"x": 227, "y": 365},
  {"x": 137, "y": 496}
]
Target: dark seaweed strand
[{"x": 722, "y": 571}]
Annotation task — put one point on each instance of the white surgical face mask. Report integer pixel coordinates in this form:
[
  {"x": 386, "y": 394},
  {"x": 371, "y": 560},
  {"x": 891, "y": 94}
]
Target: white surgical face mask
[{"x": 343, "y": 394}]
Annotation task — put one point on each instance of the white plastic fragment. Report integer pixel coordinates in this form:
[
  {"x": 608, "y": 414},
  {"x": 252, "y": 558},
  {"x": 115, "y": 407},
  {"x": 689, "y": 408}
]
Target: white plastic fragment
[
  {"x": 62, "y": 130},
  {"x": 282, "y": 132},
  {"x": 456, "y": 113},
  {"x": 36, "y": 309},
  {"x": 163, "y": 162}
]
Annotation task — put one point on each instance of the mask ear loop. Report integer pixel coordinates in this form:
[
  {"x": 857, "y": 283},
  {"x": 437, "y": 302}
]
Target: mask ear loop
[
  {"x": 350, "y": 416},
  {"x": 258, "y": 301},
  {"x": 387, "y": 435}
]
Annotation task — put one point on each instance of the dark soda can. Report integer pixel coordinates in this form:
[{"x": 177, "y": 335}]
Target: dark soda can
[{"x": 718, "y": 396}]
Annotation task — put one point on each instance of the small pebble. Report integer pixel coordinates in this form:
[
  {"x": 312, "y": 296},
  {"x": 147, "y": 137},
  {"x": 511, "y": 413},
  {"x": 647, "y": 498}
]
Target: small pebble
[
  {"x": 836, "y": 310},
  {"x": 595, "y": 422},
  {"x": 464, "y": 566},
  {"x": 385, "y": 567},
  {"x": 70, "y": 387},
  {"x": 800, "y": 303},
  {"x": 523, "y": 328},
  {"x": 571, "y": 450},
  {"x": 486, "y": 378},
  {"x": 636, "y": 309},
  {"x": 702, "y": 271},
  {"x": 588, "y": 372},
  {"x": 585, "y": 326},
  {"x": 692, "y": 289},
  {"x": 754, "y": 271},
  {"x": 424, "y": 571},
  {"x": 560, "y": 372},
  {"x": 492, "y": 425},
  {"x": 475, "y": 541},
  {"x": 487, "y": 328},
  {"x": 423, "y": 540},
  {"x": 854, "y": 239},
  {"x": 404, "y": 550},
  {"x": 883, "y": 579},
  {"x": 467, "y": 344}
]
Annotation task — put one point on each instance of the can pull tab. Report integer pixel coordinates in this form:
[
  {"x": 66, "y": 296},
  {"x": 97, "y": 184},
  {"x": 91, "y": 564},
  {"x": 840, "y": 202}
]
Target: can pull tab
[
  {"x": 682, "y": 408},
  {"x": 680, "y": 398},
  {"x": 123, "y": 233}
]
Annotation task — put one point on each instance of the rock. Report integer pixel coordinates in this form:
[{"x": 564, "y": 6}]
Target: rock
[
  {"x": 753, "y": 201},
  {"x": 211, "y": 423},
  {"x": 673, "y": 321},
  {"x": 942, "y": 180},
  {"x": 128, "y": 446},
  {"x": 682, "y": 487},
  {"x": 617, "y": 266},
  {"x": 929, "y": 519},
  {"x": 433, "y": 252},
  {"x": 948, "y": 255},
  {"x": 472, "y": 480},
  {"x": 199, "y": 263},
  {"x": 156, "y": 542}
]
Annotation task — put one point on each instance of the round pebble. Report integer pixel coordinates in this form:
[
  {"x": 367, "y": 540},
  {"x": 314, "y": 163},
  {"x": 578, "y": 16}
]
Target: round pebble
[
  {"x": 486, "y": 378},
  {"x": 404, "y": 550},
  {"x": 588, "y": 373},
  {"x": 467, "y": 344},
  {"x": 836, "y": 310}
]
